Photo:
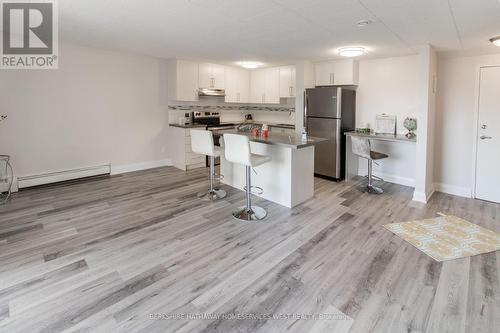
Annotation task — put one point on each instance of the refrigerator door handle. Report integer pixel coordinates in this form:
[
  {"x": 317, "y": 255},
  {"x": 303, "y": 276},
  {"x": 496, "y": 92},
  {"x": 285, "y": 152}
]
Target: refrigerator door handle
[
  {"x": 339, "y": 130},
  {"x": 306, "y": 102}
]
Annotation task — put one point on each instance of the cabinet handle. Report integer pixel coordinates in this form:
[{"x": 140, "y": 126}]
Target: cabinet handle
[
  {"x": 238, "y": 96},
  {"x": 212, "y": 82}
]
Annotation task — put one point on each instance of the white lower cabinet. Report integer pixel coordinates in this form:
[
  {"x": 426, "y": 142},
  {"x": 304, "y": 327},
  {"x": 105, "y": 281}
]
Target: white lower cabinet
[{"x": 182, "y": 156}]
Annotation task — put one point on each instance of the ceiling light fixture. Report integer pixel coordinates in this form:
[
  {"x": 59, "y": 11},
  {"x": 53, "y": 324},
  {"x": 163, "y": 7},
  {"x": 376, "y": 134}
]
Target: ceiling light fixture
[
  {"x": 364, "y": 23},
  {"x": 249, "y": 64},
  {"x": 495, "y": 40},
  {"x": 351, "y": 51}
]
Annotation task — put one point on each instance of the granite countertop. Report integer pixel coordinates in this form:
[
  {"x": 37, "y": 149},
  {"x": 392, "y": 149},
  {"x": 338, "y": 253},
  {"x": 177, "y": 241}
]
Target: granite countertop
[
  {"x": 382, "y": 137},
  {"x": 188, "y": 125},
  {"x": 291, "y": 141},
  {"x": 237, "y": 123}
]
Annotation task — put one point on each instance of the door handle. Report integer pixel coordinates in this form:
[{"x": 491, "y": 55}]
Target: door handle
[{"x": 484, "y": 137}]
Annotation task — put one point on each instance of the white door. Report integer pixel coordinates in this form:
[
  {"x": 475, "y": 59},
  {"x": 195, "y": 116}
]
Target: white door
[{"x": 488, "y": 140}]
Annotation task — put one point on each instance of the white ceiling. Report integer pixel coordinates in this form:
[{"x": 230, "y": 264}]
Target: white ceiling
[{"x": 278, "y": 31}]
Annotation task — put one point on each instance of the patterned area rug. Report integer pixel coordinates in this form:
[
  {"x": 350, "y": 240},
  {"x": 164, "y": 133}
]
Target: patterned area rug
[{"x": 447, "y": 237}]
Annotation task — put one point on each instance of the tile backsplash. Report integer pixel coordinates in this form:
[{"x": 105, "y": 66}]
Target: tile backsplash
[
  {"x": 283, "y": 113},
  {"x": 231, "y": 107}
]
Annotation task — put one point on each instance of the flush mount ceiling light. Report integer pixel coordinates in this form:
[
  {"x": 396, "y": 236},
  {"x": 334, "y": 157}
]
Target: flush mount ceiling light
[
  {"x": 250, "y": 64},
  {"x": 351, "y": 51},
  {"x": 495, "y": 40},
  {"x": 363, "y": 23}
]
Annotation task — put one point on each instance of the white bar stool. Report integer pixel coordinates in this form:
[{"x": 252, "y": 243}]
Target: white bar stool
[
  {"x": 202, "y": 142},
  {"x": 362, "y": 148},
  {"x": 237, "y": 150}
]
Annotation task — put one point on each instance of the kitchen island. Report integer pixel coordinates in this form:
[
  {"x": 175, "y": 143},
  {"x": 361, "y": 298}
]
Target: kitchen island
[{"x": 288, "y": 179}]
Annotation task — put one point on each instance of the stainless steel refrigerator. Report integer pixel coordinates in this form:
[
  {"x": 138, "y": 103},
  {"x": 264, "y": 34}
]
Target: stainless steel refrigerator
[{"x": 329, "y": 112}]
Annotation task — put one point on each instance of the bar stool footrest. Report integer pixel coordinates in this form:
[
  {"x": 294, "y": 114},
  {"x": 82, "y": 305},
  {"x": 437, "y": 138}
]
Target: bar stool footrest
[
  {"x": 218, "y": 177},
  {"x": 258, "y": 192}
]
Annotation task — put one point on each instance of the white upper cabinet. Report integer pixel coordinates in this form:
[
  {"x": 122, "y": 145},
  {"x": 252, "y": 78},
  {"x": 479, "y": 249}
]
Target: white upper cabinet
[
  {"x": 264, "y": 85},
  {"x": 341, "y": 72},
  {"x": 183, "y": 80},
  {"x": 346, "y": 72},
  {"x": 323, "y": 73},
  {"x": 287, "y": 81},
  {"x": 212, "y": 76},
  {"x": 237, "y": 85}
]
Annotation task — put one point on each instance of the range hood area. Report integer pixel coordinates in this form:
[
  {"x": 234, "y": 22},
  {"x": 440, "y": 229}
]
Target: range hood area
[{"x": 212, "y": 92}]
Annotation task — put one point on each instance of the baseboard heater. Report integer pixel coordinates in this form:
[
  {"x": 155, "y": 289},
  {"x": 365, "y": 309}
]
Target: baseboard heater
[{"x": 60, "y": 176}]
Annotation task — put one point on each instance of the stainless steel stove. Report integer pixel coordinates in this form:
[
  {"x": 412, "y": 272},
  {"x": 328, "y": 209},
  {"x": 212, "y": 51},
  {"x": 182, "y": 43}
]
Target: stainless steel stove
[{"x": 212, "y": 121}]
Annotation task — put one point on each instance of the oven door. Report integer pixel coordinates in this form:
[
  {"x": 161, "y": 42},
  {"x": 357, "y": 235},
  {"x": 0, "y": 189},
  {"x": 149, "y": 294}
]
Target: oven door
[{"x": 217, "y": 133}]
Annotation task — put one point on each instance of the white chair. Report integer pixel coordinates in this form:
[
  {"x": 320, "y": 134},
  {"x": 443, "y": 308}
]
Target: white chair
[
  {"x": 237, "y": 150},
  {"x": 202, "y": 142},
  {"x": 362, "y": 148}
]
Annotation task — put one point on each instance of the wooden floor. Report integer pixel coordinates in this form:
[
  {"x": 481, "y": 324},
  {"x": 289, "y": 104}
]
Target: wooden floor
[{"x": 140, "y": 253}]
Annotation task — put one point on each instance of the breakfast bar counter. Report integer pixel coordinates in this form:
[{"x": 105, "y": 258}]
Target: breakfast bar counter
[{"x": 288, "y": 179}]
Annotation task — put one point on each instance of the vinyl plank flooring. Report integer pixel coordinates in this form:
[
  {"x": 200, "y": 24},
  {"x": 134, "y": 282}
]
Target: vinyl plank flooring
[{"x": 109, "y": 254}]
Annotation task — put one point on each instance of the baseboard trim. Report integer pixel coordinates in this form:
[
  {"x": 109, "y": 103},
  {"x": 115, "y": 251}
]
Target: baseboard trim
[
  {"x": 390, "y": 178},
  {"x": 454, "y": 190},
  {"x": 60, "y": 176},
  {"x": 118, "y": 169}
]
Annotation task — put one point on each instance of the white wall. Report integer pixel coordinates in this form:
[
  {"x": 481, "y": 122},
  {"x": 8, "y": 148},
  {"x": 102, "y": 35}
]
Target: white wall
[
  {"x": 424, "y": 184},
  {"x": 390, "y": 86},
  {"x": 455, "y": 121},
  {"x": 98, "y": 107}
]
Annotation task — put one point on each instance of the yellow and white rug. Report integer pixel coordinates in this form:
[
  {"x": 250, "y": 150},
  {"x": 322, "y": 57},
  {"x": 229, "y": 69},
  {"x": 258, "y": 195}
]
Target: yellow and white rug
[{"x": 447, "y": 237}]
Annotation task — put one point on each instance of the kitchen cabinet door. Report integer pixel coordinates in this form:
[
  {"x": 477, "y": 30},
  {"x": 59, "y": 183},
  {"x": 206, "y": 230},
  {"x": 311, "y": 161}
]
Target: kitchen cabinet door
[
  {"x": 257, "y": 86},
  {"x": 211, "y": 76},
  {"x": 346, "y": 72},
  {"x": 287, "y": 81},
  {"x": 187, "y": 81},
  {"x": 219, "y": 76},
  {"x": 237, "y": 85},
  {"x": 324, "y": 73},
  {"x": 243, "y": 86},
  {"x": 231, "y": 85},
  {"x": 272, "y": 85},
  {"x": 205, "y": 75}
]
